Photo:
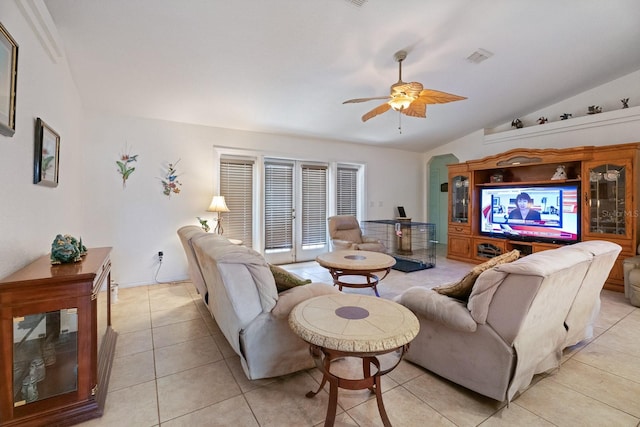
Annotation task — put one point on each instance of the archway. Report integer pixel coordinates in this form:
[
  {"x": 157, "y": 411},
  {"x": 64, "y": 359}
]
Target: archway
[{"x": 437, "y": 200}]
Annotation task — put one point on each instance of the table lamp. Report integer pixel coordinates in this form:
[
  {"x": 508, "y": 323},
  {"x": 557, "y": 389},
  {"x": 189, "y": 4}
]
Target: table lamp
[{"x": 218, "y": 205}]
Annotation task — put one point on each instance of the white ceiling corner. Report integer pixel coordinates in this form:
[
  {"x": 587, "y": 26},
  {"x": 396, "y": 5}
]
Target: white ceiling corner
[{"x": 37, "y": 15}]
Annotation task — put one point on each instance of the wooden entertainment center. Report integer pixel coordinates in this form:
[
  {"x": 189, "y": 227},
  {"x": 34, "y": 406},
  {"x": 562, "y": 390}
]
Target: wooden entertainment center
[{"x": 608, "y": 195}]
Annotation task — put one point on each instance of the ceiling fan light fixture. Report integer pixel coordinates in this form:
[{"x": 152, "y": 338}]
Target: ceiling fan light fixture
[{"x": 401, "y": 102}]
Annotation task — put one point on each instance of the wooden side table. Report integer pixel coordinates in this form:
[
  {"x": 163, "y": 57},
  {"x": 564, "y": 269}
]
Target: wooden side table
[
  {"x": 348, "y": 325},
  {"x": 356, "y": 263}
]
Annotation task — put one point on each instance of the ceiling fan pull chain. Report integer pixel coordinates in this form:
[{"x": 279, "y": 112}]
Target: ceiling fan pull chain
[{"x": 399, "y": 123}]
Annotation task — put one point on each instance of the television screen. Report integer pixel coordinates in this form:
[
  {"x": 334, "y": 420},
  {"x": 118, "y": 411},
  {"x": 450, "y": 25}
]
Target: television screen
[{"x": 545, "y": 213}]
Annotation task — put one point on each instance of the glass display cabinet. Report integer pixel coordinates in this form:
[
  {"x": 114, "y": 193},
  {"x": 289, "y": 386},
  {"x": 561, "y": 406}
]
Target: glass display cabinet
[
  {"x": 460, "y": 199},
  {"x": 459, "y": 229},
  {"x": 607, "y": 199},
  {"x": 45, "y": 355},
  {"x": 56, "y": 341}
]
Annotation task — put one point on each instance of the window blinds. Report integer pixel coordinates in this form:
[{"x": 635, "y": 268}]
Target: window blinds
[
  {"x": 314, "y": 205},
  {"x": 278, "y": 205},
  {"x": 236, "y": 185},
  {"x": 347, "y": 191}
]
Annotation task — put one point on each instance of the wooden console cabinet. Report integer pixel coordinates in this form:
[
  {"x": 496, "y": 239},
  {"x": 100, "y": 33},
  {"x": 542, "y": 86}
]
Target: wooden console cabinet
[
  {"x": 56, "y": 341},
  {"x": 609, "y": 197}
]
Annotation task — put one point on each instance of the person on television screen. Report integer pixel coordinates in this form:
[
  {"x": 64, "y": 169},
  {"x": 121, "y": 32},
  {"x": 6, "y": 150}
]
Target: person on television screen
[{"x": 523, "y": 209}]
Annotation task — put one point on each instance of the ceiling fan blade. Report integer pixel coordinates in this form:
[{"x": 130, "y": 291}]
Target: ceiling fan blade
[
  {"x": 415, "y": 109},
  {"x": 378, "y": 110},
  {"x": 353, "y": 101},
  {"x": 430, "y": 96}
]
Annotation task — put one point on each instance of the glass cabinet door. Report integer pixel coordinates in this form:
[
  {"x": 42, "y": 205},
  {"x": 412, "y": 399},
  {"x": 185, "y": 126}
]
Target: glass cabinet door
[
  {"x": 460, "y": 199},
  {"x": 45, "y": 355},
  {"x": 607, "y": 199}
]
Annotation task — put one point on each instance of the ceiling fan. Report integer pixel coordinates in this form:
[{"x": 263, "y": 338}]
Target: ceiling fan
[{"x": 410, "y": 99}]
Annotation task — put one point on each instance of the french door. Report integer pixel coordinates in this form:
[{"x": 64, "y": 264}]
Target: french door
[{"x": 295, "y": 210}]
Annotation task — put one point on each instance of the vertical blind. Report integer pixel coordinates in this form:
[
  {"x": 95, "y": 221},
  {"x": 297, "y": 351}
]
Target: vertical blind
[
  {"x": 347, "y": 191},
  {"x": 236, "y": 185},
  {"x": 278, "y": 205},
  {"x": 314, "y": 205}
]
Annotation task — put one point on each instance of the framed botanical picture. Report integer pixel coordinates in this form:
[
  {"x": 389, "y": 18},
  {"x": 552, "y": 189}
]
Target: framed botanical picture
[
  {"x": 47, "y": 155},
  {"x": 8, "y": 78}
]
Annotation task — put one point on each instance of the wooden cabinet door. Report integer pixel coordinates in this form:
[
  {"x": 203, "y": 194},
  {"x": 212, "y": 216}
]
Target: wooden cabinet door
[{"x": 459, "y": 247}]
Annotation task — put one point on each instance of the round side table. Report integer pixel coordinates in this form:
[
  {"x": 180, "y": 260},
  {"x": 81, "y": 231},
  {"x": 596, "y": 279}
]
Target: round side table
[
  {"x": 356, "y": 263},
  {"x": 348, "y": 325}
]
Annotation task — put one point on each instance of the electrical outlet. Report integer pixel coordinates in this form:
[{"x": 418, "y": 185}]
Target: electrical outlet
[{"x": 160, "y": 255}]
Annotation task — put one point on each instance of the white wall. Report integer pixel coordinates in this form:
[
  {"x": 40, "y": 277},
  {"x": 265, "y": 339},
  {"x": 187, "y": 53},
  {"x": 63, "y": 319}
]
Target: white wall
[
  {"x": 139, "y": 221},
  {"x": 31, "y": 215},
  {"x": 474, "y": 145}
]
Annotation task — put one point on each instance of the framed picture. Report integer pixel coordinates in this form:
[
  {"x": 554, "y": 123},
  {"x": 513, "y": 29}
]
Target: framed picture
[
  {"x": 47, "y": 155},
  {"x": 8, "y": 78}
]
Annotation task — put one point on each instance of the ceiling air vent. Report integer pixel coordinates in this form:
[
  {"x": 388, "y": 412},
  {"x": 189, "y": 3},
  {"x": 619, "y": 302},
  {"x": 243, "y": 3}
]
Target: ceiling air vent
[
  {"x": 358, "y": 3},
  {"x": 479, "y": 55}
]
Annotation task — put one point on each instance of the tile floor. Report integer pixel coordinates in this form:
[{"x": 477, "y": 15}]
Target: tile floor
[{"x": 173, "y": 367}]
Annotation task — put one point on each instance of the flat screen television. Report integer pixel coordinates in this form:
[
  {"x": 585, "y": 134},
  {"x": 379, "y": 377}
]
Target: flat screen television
[{"x": 539, "y": 213}]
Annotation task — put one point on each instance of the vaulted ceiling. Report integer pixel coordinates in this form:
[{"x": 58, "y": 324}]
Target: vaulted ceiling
[{"x": 286, "y": 66}]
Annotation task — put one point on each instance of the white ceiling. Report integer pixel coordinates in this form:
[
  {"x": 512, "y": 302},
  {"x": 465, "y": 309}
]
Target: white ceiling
[{"x": 285, "y": 66}]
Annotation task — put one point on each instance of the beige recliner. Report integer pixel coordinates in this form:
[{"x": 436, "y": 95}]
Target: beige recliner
[
  {"x": 518, "y": 319},
  {"x": 345, "y": 233}
]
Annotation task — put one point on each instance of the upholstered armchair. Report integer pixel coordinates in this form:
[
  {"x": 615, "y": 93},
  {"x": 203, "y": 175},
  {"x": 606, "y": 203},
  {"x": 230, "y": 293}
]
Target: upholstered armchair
[
  {"x": 631, "y": 270},
  {"x": 345, "y": 233}
]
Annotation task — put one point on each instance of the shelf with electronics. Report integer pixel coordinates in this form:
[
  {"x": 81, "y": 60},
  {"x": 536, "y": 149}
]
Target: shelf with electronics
[{"x": 598, "y": 196}]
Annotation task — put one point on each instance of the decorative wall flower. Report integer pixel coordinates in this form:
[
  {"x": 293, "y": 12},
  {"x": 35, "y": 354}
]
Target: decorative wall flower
[
  {"x": 170, "y": 183},
  {"x": 125, "y": 168}
]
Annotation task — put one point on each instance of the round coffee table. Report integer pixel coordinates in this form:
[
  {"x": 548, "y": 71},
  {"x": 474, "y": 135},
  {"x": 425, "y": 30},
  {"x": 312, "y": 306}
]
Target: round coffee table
[
  {"x": 356, "y": 263},
  {"x": 349, "y": 325}
]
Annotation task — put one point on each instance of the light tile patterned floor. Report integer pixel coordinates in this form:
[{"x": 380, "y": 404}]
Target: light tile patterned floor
[{"x": 173, "y": 367}]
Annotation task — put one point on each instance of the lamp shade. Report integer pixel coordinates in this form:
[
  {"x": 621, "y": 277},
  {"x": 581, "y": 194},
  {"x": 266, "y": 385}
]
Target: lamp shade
[
  {"x": 401, "y": 101},
  {"x": 218, "y": 205}
]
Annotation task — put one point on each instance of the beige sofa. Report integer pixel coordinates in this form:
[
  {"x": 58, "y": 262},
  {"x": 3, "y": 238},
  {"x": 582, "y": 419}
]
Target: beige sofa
[
  {"x": 518, "y": 319},
  {"x": 241, "y": 295},
  {"x": 185, "y": 234}
]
